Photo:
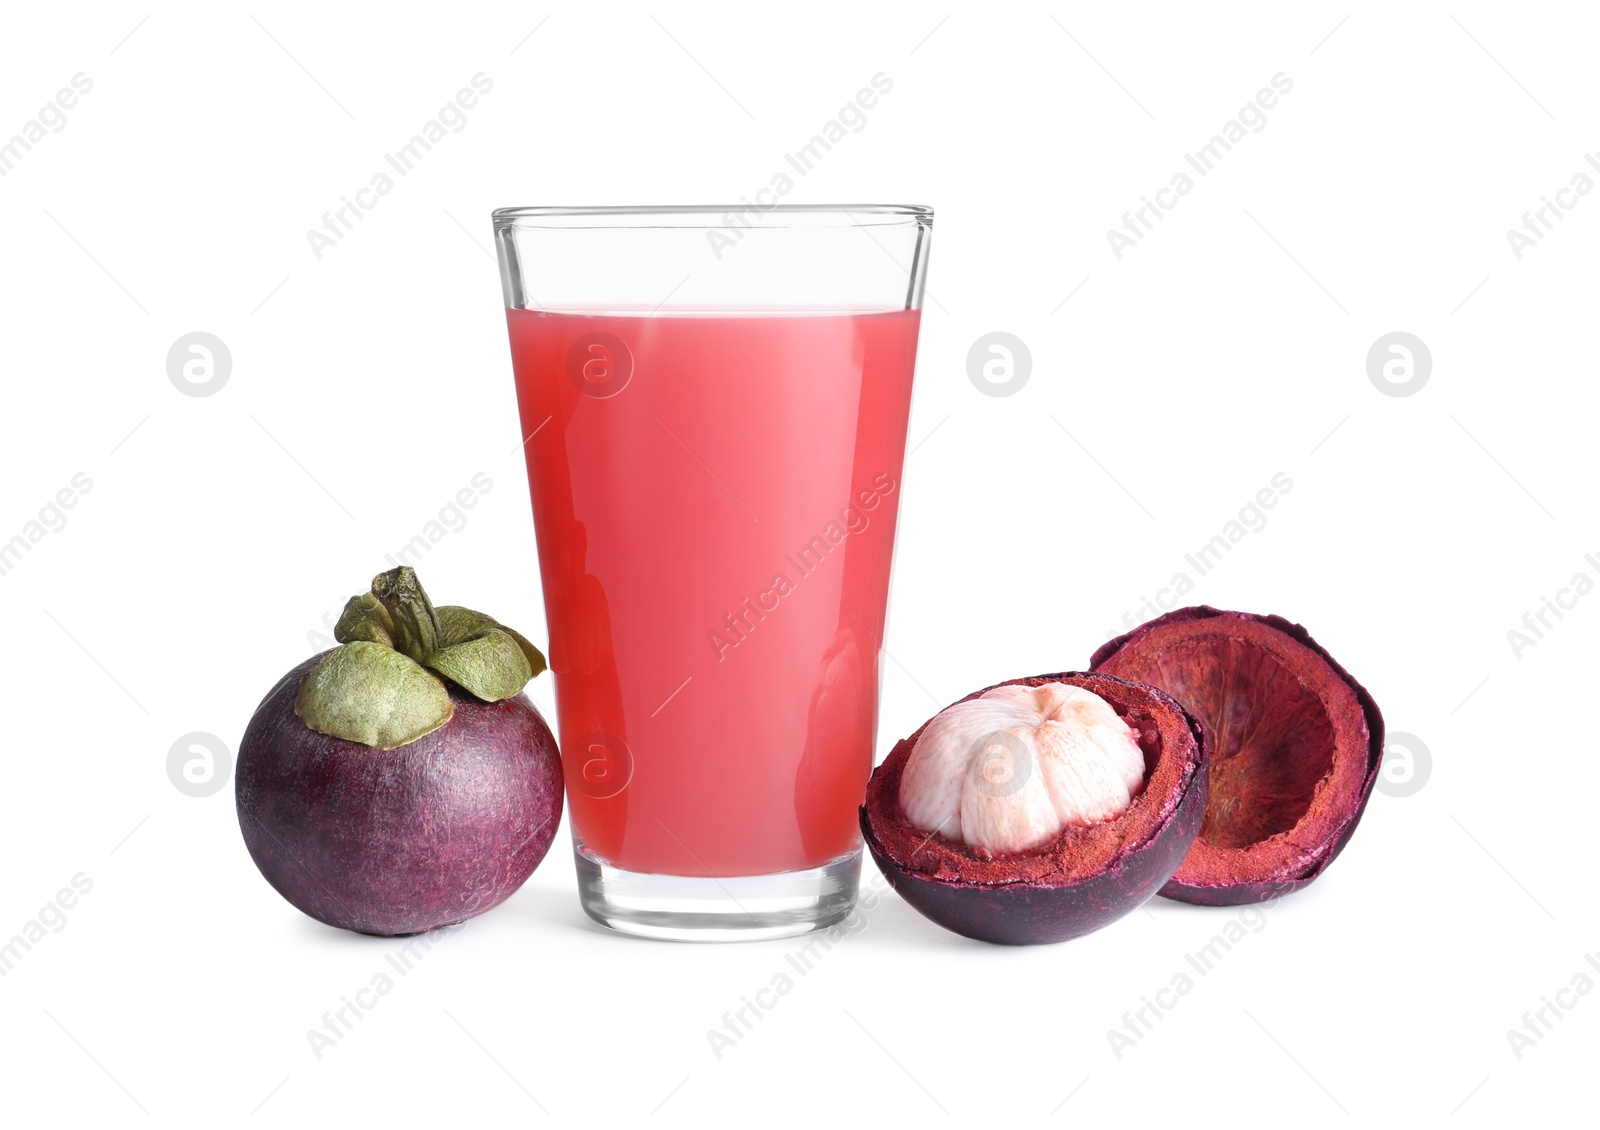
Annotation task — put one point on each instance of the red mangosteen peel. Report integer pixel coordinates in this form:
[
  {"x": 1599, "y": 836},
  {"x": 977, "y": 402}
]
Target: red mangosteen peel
[
  {"x": 1039, "y": 809},
  {"x": 401, "y": 781},
  {"x": 1296, "y": 745}
]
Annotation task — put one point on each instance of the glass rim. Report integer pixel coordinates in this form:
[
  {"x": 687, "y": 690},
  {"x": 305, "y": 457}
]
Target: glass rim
[{"x": 521, "y": 216}]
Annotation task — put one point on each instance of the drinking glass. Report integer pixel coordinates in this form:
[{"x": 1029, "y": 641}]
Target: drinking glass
[{"x": 713, "y": 403}]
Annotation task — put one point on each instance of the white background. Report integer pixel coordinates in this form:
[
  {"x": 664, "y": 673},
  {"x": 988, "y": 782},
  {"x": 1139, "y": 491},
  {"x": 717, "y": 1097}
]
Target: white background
[{"x": 367, "y": 387}]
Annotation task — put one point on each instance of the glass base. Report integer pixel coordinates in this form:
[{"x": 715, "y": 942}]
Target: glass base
[{"x": 745, "y": 908}]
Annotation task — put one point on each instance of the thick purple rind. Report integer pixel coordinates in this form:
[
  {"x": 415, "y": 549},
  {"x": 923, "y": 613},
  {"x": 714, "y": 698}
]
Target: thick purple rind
[
  {"x": 398, "y": 841},
  {"x": 1034, "y": 913},
  {"x": 1274, "y": 885}
]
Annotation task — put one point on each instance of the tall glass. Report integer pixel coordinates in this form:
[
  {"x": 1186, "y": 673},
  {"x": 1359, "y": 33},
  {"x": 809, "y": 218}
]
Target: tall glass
[{"x": 714, "y": 407}]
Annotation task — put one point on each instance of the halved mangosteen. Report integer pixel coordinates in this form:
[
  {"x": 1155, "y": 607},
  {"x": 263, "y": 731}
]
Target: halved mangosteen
[
  {"x": 1295, "y": 746},
  {"x": 1039, "y": 809}
]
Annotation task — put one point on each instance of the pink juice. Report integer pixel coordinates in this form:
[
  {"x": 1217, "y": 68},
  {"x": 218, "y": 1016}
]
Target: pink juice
[{"x": 715, "y": 499}]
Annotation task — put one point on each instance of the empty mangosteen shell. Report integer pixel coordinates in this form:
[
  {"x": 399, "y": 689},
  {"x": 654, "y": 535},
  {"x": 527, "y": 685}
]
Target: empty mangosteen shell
[
  {"x": 1298, "y": 871},
  {"x": 1084, "y": 879}
]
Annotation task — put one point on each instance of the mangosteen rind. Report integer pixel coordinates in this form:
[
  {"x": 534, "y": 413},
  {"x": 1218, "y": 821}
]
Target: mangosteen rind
[{"x": 1298, "y": 869}]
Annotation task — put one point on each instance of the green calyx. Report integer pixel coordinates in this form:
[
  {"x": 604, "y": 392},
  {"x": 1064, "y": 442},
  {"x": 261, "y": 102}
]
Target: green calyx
[{"x": 382, "y": 687}]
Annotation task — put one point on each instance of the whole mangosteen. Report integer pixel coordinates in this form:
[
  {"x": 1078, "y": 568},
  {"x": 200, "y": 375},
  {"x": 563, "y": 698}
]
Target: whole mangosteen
[{"x": 400, "y": 781}]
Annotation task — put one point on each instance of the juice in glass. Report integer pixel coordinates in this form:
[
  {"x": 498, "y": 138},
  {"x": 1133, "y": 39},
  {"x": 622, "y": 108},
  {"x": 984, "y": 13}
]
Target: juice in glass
[{"x": 714, "y": 543}]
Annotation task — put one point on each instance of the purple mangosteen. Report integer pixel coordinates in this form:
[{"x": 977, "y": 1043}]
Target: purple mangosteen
[{"x": 401, "y": 781}]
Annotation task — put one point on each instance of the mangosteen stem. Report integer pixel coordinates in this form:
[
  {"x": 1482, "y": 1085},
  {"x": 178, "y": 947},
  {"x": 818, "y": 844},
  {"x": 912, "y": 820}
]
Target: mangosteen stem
[
  {"x": 416, "y": 625},
  {"x": 384, "y": 686}
]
